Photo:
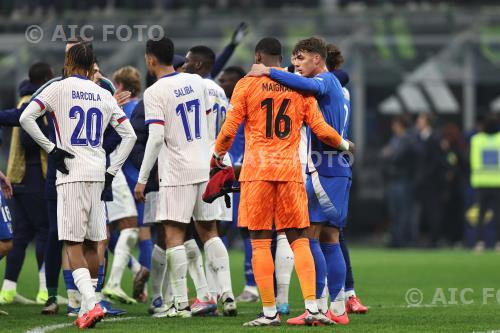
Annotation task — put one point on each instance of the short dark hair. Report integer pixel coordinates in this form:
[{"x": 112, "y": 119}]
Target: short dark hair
[
  {"x": 40, "y": 72},
  {"x": 79, "y": 56},
  {"x": 205, "y": 53},
  {"x": 269, "y": 45},
  {"x": 312, "y": 45},
  {"x": 240, "y": 72},
  {"x": 334, "y": 57},
  {"x": 162, "y": 49}
]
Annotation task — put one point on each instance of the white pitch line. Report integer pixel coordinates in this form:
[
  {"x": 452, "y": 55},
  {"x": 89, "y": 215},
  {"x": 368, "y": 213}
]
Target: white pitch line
[{"x": 48, "y": 328}]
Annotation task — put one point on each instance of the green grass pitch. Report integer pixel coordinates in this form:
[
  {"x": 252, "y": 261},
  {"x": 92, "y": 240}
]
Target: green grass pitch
[{"x": 460, "y": 294}]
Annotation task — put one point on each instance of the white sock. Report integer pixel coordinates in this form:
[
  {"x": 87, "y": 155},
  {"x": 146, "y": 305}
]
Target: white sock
[
  {"x": 311, "y": 305},
  {"x": 218, "y": 260},
  {"x": 82, "y": 279},
  {"x": 74, "y": 298},
  {"x": 126, "y": 241},
  {"x": 323, "y": 301},
  {"x": 9, "y": 285},
  {"x": 158, "y": 270},
  {"x": 252, "y": 289},
  {"x": 168, "y": 296},
  {"x": 135, "y": 266},
  {"x": 283, "y": 266},
  {"x": 98, "y": 296},
  {"x": 196, "y": 271},
  {"x": 213, "y": 286},
  {"x": 269, "y": 311},
  {"x": 338, "y": 304},
  {"x": 41, "y": 279},
  {"x": 349, "y": 294},
  {"x": 177, "y": 268}
]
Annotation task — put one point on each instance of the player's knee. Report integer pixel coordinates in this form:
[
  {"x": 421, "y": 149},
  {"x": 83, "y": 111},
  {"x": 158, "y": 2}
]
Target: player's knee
[
  {"x": 5, "y": 247},
  {"x": 329, "y": 235},
  {"x": 128, "y": 222}
]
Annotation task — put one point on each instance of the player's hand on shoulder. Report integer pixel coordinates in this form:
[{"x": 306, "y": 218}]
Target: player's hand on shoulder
[
  {"x": 59, "y": 155},
  {"x": 258, "y": 70},
  {"x": 122, "y": 97},
  {"x": 139, "y": 192}
]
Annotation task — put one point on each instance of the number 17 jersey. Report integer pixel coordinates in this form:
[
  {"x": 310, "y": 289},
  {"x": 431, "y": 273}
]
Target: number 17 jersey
[{"x": 180, "y": 102}]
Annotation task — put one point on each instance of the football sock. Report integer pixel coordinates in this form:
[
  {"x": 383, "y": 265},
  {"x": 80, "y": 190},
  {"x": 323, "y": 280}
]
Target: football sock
[
  {"x": 145, "y": 251},
  {"x": 323, "y": 301},
  {"x": 126, "y": 241},
  {"x": 134, "y": 265},
  {"x": 177, "y": 269},
  {"x": 249, "y": 277},
  {"x": 283, "y": 263},
  {"x": 71, "y": 289},
  {"x": 349, "y": 293},
  {"x": 168, "y": 297},
  {"x": 100, "y": 283},
  {"x": 82, "y": 279},
  {"x": 319, "y": 266},
  {"x": 158, "y": 270},
  {"x": 42, "y": 282},
  {"x": 196, "y": 270},
  {"x": 113, "y": 239},
  {"x": 263, "y": 268},
  {"x": 336, "y": 276},
  {"x": 213, "y": 287},
  {"x": 9, "y": 285},
  {"x": 349, "y": 278},
  {"x": 304, "y": 266},
  {"x": 218, "y": 260}
]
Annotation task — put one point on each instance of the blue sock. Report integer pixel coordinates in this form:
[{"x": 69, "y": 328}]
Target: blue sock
[
  {"x": 68, "y": 280},
  {"x": 249, "y": 277},
  {"x": 319, "y": 265},
  {"x": 112, "y": 240},
  {"x": 145, "y": 251},
  {"x": 100, "y": 279},
  {"x": 336, "y": 268}
]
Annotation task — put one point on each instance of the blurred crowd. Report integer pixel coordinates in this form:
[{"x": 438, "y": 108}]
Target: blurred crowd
[{"x": 427, "y": 175}]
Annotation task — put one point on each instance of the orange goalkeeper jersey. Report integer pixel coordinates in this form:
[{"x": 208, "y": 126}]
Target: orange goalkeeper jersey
[{"x": 273, "y": 116}]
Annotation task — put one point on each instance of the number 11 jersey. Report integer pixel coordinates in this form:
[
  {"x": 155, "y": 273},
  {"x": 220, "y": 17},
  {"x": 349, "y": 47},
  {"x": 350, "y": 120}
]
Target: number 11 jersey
[
  {"x": 81, "y": 110},
  {"x": 180, "y": 102}
]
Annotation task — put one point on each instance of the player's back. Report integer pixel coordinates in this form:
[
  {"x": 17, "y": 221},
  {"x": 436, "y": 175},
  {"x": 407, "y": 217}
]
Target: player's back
[
  {"x": 335, "y": 109},
  {"x": 219, "y": 104},
  {"x": 80, "y": 110},
  {"x": 180, "y": 102},
  {"x": 274, "y": 117}
]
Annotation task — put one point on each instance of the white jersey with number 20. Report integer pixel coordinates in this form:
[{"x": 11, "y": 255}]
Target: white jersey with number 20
[{"x": 81, "y": 111}]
